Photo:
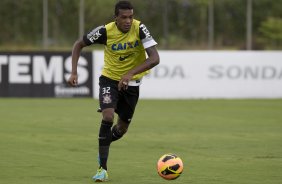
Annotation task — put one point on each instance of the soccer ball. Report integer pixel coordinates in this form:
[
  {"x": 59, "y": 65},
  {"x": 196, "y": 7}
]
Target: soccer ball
[{"x": 169, "y": 166}]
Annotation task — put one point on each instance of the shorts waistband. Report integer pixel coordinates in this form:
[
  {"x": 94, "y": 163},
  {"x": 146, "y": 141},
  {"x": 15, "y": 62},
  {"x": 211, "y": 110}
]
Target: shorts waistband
[
  {"x": 131, "y": 83},
  {"x": 135, "y": 82}
]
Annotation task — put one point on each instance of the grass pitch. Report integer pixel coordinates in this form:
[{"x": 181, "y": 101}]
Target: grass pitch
[{"x": 54, "y": 141}]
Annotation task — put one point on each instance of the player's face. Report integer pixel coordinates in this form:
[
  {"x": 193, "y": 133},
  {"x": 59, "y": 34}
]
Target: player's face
[{"x": 124, "y": 20}]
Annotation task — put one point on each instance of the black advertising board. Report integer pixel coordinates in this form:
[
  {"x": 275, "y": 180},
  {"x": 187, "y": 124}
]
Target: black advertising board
[{"x": 44, "y": 74}]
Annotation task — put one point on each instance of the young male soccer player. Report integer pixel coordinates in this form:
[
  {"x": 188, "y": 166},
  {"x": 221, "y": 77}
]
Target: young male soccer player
[{"x": 126, "y": 41}]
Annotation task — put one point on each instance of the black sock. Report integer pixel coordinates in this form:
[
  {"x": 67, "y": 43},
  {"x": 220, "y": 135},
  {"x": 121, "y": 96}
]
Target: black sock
[
  {"x": 115, "y": 134},
  {"x": 105, "y": 137}
]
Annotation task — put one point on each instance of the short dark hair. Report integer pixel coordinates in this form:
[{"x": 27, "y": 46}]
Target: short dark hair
[{"x": 124, "y": 5}]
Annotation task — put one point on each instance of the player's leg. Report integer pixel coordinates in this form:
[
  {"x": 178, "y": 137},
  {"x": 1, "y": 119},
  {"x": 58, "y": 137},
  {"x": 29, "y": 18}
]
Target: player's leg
[
  {"x": 119, "y": 129},
  {"x": 125, "y": 109},
  {"x": 105, "y": 136},
  {"x": 108, "y": 95}
]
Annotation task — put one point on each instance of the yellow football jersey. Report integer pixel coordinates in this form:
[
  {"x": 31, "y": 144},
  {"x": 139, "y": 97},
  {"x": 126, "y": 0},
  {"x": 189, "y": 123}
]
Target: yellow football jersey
[{"x": 123, "y": 51}]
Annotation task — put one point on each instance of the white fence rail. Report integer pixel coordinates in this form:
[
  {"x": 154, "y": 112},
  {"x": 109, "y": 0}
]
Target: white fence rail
[{"x": 210, "y": 74}]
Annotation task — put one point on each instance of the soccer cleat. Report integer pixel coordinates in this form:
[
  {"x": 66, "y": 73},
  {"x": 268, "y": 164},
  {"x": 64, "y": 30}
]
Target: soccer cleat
[{"x": 101, "y": 175}]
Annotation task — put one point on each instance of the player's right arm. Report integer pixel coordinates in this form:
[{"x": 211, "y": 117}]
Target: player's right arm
[
  {"x": 76, "y": 50},
  {"x": 97, "y": 35}
]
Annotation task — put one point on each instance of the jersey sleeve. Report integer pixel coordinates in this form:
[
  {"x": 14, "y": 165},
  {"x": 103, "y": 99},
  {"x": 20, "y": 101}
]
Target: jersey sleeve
[
  {"x": 145, "y": 36},
  {"x": 96, "y": 36}
]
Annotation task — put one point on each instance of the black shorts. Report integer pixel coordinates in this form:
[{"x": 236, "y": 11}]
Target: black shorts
[{"x": 124, "y": 101}]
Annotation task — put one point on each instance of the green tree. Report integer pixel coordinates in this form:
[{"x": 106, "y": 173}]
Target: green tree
[{"x": 271, "y": 30}]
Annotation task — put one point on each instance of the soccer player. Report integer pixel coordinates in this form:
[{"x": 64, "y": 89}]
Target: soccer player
[{"x": 126, "y": 42}]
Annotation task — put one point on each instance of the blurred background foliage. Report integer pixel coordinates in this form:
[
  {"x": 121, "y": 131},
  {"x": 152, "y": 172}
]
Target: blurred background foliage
[{"x": 175, "y": 24}]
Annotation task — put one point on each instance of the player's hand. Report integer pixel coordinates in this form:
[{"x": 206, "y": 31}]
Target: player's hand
[
  {"x": 123, "y": 83},
  {"x": 73, "y": 80}
]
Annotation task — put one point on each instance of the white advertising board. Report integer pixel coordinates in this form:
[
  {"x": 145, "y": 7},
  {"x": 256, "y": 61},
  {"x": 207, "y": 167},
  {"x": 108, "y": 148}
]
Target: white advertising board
[{"x": 209, "y": 74}]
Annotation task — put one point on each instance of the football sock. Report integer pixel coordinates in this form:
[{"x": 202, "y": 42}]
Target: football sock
[
  {"x": 105, "y": 137},
  {"x": 116, "y": 135}
]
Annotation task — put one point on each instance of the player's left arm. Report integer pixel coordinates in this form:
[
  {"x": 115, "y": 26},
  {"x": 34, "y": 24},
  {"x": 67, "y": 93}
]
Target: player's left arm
[{"x": 152, "y": 60}]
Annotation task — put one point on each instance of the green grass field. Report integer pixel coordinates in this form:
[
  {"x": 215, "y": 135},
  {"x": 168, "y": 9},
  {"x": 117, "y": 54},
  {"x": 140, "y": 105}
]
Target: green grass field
[{"x": 54, "y": 141}]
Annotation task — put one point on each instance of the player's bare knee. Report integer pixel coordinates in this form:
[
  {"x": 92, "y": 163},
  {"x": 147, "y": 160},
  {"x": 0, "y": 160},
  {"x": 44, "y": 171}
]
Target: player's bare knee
[
  {"x": 108, "y": 115},
  {"x": 108, "y": 118}
]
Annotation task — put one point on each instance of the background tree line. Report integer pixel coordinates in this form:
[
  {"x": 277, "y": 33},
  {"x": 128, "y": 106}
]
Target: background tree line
[{"x": 175, "y": 24}]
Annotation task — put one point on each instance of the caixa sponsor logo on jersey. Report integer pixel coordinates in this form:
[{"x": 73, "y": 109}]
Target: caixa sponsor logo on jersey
[
  {"x": 124, "y": 46},
  {"x": 45, "y": 69},
  {"x": 264, "y": 72}
]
